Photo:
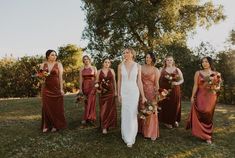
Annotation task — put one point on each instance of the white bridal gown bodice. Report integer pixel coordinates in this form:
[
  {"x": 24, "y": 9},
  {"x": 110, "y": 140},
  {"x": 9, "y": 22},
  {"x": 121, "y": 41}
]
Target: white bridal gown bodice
[{"x": 130, "y": 99}]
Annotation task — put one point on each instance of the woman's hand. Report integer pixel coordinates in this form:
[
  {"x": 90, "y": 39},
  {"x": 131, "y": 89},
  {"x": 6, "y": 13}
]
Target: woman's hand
[
  {"x": 144, "y": 100},
  {"x": 119, "y": 99},
  {"x": 62, "y": 91},
  {"x": 192, "y": 99}
]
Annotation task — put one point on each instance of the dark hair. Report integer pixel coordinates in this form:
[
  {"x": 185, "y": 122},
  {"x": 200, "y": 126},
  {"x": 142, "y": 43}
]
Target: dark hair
[
  {"x": 48, "y": 52},
  {"x": 85, "y": 56},
  {"x": 210, "y": 61},
  {"x": 106, "y": 58},
  {"x": 152, "y": 56}
]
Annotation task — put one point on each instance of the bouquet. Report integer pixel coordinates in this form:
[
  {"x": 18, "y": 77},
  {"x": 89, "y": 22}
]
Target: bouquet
[
  {"x": 41, "y": 75},
  {"x": 213, "y": 82},
  {"x": 151, "y": 107},
  {"x": 103, "y": 86},
  {"x": 162, "y": 94},
  {"x": 172, "y": 78},
  {"x": 80, "y": 96}
]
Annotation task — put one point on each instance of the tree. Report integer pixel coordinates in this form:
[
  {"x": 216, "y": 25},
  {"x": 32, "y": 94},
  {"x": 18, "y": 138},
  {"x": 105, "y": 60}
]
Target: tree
[
  {"x": 232, "y": 37},
  {"x": 205, "y": 49},
  {"x": 16, "y": 76},
  {"x": 226, "y": 65},
  {"x": 71, "y": 58},
  {"x": 146, "y": 25}
]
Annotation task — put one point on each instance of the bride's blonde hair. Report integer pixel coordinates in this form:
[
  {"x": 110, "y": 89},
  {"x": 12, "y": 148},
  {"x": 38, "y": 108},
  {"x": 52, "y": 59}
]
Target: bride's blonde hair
[
  {"x": 164, "y": 62},
  {"x": 133, "y": 52}
]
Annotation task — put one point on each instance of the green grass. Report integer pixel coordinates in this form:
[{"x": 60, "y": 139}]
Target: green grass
[{"x": 20, "y": 135}]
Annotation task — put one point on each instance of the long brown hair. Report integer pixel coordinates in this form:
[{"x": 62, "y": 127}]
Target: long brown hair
[{"x": 210, "y": 61}]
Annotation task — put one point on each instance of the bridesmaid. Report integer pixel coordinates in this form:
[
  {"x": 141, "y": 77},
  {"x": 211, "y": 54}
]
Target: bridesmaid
[
  {"x": 149, "y": 127},
  {"x": 171, "y": 78},
  {"x": 87, "y": 81},
  {"x": 52, "y": 95},
  {"x": 203, "y": 103},
  {"x": 108, "y": 111}
]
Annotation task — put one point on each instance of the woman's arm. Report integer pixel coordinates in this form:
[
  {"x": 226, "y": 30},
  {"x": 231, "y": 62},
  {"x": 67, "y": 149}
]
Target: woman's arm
[
  {"x": 96, "y": 82},
  {"x": 119, "y": 83},
  {"x": 95, "y": 72},
  {"x": 114, "y": 82},
  {"x": 140, "y": 84},
  {"x": 157, "y": 76},
  {"x": 41, "y": 66},
  {"x": 61, "y": 77},
  {"x": 195, "y": 86},
  {"x": 181, "y": 78},
  {"x": 80, "y": 80},
  {"x": 97, "y": 76}
]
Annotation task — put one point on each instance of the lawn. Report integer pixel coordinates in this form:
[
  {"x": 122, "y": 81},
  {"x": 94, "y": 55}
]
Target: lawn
[{"x": 21, "y": 136}]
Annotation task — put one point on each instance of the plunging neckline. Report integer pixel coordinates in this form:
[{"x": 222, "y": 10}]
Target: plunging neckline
[
  {"x": 147, "y": 73},
  {"x": 204, "y": 76},
  {"x": 129, "y": 73},
  {"x": 104, "y": 73},
  {"x": 49, "y": 70}
]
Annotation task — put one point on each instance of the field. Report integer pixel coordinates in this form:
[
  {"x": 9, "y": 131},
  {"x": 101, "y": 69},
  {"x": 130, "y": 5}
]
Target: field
[{"x": 21, "y": 135}]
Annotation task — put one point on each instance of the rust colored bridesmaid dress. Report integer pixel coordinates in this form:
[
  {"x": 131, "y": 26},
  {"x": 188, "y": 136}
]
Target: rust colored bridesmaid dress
[
  {"x": 149, "y": 127},
  {"x": 170, "y": 107},
  {"x": 52, "y": 101},
  {"x": 89, "y": 91},
  {"x": 108, "y": 111},
  {"x": 202, "y": 111}
]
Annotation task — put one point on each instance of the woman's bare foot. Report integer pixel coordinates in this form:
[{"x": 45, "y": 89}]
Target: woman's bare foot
[
  {"x": 129, "y": 145},
  {"x": 53, "y": 129},
  {"x": 176, "y": 124},
  {"x": 45, "y": 130},
  {"x": 168, "y": 126},
  {"x": 209, "y": 141},
  {"x": 104, "y": 131},
  {"x": 153, "y": 139}
]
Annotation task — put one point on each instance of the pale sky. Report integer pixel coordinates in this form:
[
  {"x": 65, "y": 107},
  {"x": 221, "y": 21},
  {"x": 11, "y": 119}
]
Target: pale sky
[{"x": 30, "y": 27}]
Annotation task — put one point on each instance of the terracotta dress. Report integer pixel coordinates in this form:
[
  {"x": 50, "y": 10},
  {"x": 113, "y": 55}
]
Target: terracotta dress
[
  {"x": 90, "y": 93},
  {"x": 149, "y": 127},
  {"x": 171, "y": 106},
  {"x": 52, "y": 101},
  {"x": 202, "y": 111},
  {"x": 108, "y": 111}
]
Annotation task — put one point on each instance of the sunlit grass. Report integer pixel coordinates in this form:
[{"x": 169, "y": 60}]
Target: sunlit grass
[{"x": 21, "y": 135}]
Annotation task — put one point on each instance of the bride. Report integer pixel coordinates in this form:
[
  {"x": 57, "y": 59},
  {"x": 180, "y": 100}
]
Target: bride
[{"x": 129, "y": 88}]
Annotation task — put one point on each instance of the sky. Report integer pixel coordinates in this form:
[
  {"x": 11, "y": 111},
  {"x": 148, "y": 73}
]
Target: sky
[{"x": 30, "y": 27}]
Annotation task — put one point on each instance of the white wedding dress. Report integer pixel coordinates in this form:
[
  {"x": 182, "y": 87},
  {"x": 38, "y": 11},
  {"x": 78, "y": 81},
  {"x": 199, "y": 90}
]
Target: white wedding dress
[{"x": 130, "y": 99}]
